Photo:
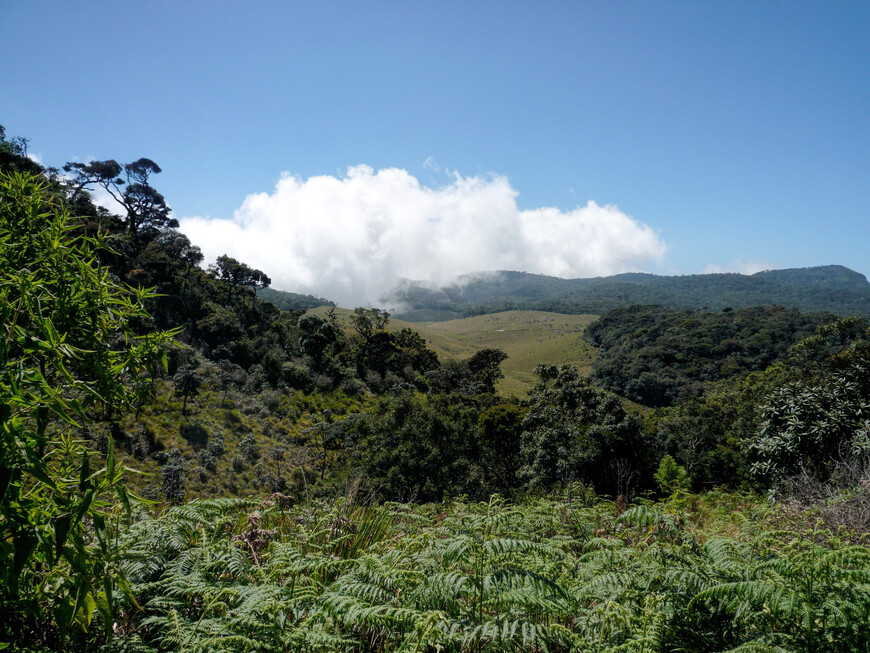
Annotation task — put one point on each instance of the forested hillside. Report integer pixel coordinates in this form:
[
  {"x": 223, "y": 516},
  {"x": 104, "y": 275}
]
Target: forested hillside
[
  {"x": 655, "y": 355},
  {"x": 830, "y": 288},
  {"x": 185, "y": 467},
  {"x": 291, "y": 301}
]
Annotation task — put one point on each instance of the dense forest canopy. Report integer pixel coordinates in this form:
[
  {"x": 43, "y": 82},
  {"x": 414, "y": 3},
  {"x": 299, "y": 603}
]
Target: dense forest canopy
[
  {"x": 276, "y": 443},
  {"x": 655, "y": 355}
]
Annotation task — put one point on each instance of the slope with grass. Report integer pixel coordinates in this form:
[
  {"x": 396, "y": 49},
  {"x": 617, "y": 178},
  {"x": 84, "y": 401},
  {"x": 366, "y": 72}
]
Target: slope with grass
[
  {"x": 238, "y": 443},
  {"x": 527, "y": 337}
]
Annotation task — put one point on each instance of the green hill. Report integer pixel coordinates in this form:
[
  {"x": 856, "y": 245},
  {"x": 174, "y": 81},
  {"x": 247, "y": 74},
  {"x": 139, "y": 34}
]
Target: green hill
[
  {"x": 831, "y": 288},
  {"x": 289, "y": 301}
]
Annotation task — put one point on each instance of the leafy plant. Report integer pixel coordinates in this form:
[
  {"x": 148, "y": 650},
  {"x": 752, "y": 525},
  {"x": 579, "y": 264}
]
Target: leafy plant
[
  {"x": 671, "y": 477},
  {"x": 67, "y": 353}
]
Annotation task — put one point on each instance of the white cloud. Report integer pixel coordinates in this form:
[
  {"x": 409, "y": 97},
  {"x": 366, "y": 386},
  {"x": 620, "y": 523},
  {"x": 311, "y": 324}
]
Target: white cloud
[
  {"x": 350, "y": 238},
  {"x": 740, "y": 266}
]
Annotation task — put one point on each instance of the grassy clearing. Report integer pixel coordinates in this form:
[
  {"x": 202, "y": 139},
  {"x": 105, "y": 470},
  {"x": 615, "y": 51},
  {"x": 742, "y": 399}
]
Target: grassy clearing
[{"x": 527, "y": 337}]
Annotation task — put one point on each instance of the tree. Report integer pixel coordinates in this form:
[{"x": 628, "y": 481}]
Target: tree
[
  {"x": 67, "y": 354},
  {"x": 368, "y": 321},
  {"x": 13, "y": 155},
  {"x": 235, "y": 273},
  {"x": 172, "y": 476},
  {"x": 317, "y": 336},
  {"x": 146, "y": 209},
  {"x": 421, "y": 447},
  {"x": 811, "y": 426},
  {"x": 485, "y": 366},
  {"x": 229, "y": 375},
  {"x": 475, "y": 376},
  {"x": 186, "y": 385},
  {"x": 500, "y": 443},
  {"x": 574, "y": 431},
  {"x": 671, "y": 477}
]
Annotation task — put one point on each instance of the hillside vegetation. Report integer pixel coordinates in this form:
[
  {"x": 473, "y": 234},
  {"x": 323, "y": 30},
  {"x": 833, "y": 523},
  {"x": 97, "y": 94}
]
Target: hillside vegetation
[
  {"x": 830, "y": 288},
  {"x": 291, "y": 301},
  {"x": 185, "y": 467},
  {"x": 655, "y": 355}
]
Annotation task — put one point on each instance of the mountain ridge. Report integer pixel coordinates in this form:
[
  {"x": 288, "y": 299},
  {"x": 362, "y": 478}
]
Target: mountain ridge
[{"x": 832, "y": 288}]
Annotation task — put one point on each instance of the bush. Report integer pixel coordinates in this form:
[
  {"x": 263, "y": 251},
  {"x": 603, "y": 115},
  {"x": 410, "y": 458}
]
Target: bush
[{"x": 671, "y": 477}]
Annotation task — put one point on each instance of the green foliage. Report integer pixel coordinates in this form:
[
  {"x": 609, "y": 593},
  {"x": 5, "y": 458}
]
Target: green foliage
[
  {"x": 146, "y": 210},
  {"x": 810, "y": 425},
  {"x": 707, "y": 435},
  {"x": 794, "y": 593},
  {"x": 13, "y": 155},
  {"x": 229, "y": 575},
  {"x": 186, "y": 384},
  {"x": 485, "y": 366},
  {"x": 388, "y": 360},
  {"x": 501, "y": 444},
  {"x": 574, "y": 431},
  {"x": 656, "y": 356},
  {"x": 291, "y": 301},
  {"x": 286, "y": 404},
  {"x": 413, "y": 446},
  {"x": 671, "y": 477},
  {"x": 475, "y": 376},
  {"x": 67, "y": 353},
  {"x": 233, "y": 272},
  {"x": 172, "y": 475},
  {"x": 318, "y": 337}
]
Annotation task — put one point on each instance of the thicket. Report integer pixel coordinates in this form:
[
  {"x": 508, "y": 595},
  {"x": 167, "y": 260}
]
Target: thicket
[{"x": 67, "y": 355}]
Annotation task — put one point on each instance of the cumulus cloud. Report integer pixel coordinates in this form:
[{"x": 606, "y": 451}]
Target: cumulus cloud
[
  {"x": 740, "y": 266},
  {"x": 350, "y": 238}
]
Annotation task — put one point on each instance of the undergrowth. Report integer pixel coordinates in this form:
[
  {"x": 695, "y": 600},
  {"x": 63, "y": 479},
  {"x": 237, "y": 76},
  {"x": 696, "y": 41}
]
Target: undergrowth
[{"x": 694, "y": 573}]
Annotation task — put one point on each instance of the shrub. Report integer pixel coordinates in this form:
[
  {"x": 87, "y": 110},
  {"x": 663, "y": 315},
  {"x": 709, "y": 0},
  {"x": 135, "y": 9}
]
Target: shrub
[{"x": 671, "y": 477}]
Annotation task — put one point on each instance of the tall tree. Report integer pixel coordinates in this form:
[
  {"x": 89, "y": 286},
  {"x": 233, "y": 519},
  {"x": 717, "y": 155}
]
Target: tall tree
[
  {"x": 239, "y": 274},
  {"x": 146, "y": 209}
]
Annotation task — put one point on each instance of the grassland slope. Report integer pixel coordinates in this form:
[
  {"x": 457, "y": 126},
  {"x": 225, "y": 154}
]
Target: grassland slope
[{"x": 527, "y": 337}]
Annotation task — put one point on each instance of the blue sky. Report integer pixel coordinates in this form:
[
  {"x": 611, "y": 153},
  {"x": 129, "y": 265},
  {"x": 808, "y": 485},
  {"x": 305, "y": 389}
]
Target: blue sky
[{"x": 731, "y": 136}]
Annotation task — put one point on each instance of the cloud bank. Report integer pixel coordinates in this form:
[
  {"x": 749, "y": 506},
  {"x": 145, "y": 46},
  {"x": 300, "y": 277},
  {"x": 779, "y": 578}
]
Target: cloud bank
[{"x": 350, "y": 238}]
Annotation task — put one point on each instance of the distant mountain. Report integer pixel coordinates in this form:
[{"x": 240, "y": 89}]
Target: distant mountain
[
  {"x": 291, "y": 300},
  {"x": 831, "y": 288}
]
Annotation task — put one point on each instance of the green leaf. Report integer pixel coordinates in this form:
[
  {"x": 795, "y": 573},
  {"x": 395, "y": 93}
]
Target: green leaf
[
  {"x": 110, "y": 458},
  {"x": 125, "y": 500},
  {"x": 61, "y": 530},
  {"x": 85, "y": 473}
]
